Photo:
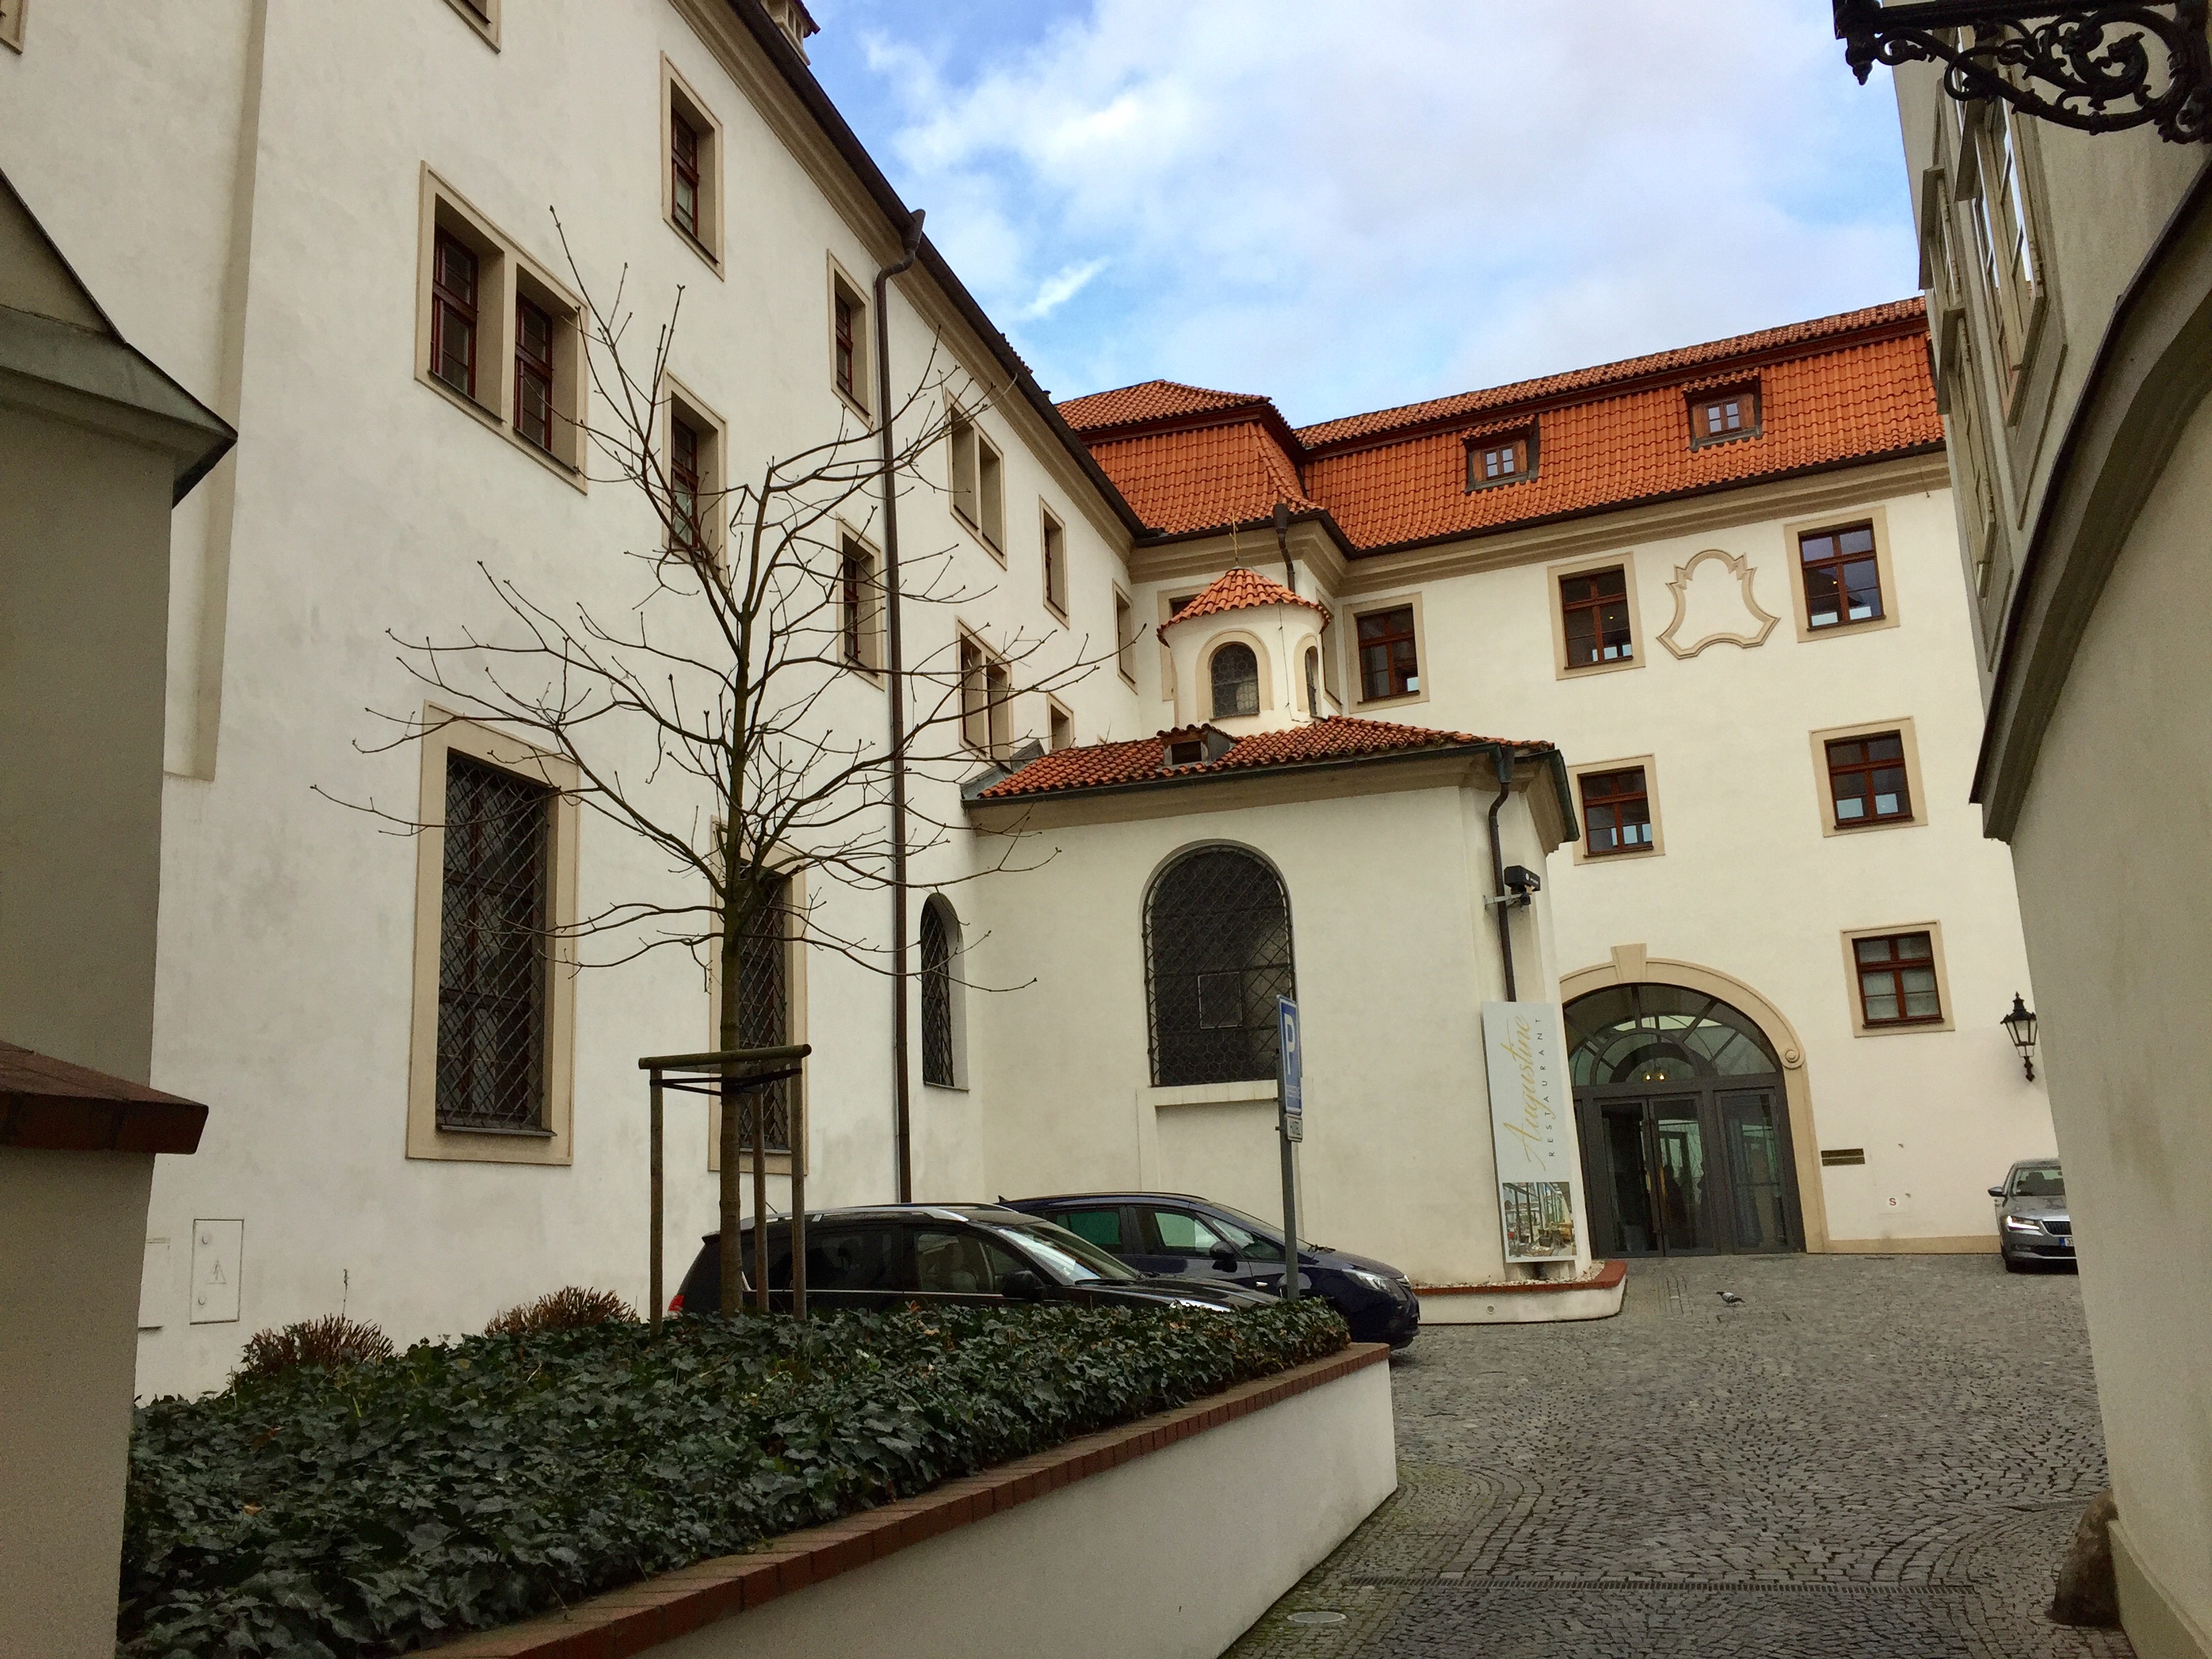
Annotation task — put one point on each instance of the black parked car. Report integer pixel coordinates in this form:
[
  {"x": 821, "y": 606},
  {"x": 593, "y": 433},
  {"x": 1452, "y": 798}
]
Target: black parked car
[
  {"x": 885, "y": 1254},
  {"x": 1201, "y": 1242}
]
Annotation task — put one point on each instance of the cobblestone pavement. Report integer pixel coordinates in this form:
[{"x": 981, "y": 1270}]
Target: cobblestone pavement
[{"x": 1871, "y": 1458}]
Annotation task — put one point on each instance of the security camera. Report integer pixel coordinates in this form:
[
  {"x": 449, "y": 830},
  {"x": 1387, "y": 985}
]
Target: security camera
[{"x": 1523, "y": 880}]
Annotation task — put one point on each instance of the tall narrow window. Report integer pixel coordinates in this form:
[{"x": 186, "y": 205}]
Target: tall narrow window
[
  {"x": 492, "y": 956},
  {"x": 454, "y": 315},
  {"x": 1125, "y": 637},
  {"x": 1866, "y": 781},
  {"x": 1053, "y": 542},
  {"x": 998, "y": 708},
  {"x": 985, "y": 704},
  {"x": 683, "y": 475},
  {"x": 1217, "y": 956},
  {"x": 844, "y": 345},
  {"x": 533, "y": 374},
  {"x": 2004, "y": 232},
  {"x": 1593, "y": 611},
  {"x": 1616, "y": 812},
  {"x": 1388, "y": 665},
  {"x": 990, "y": 493},
  {"x": 1063, "y": 729},
  {"x": 764, "y": 1008},
  {"x": 683, "y": 175},
  {"x": 1313, "y": 681},
  {"x": 1897, "y": 980},
  {"x": 856, "y": 580},
  {"x": 938, "y": 934},
  {"x": 1843, "y": 579},
  {"x": 960, "y": 445},
  {"x": 1236, "y": 682}
]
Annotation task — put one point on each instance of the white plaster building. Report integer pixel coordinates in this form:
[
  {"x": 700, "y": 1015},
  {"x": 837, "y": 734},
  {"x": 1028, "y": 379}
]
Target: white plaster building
[{"x": 331, "y": 225}]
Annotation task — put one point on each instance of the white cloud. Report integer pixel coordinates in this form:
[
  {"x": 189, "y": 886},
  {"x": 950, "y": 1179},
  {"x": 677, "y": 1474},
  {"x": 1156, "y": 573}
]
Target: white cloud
[{"x": 1349, "y": 206}]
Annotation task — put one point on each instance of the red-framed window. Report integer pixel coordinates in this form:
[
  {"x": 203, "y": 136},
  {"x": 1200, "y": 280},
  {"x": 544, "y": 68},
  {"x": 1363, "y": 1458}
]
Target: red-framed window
[
  {"x": 1594, "y": 610},
  {"x": 454, "y": 268},
  {"x": 684, "y": 471},
  {"x": 1842, "y": 576},
  {"x": 1866, "y": 779},
  {"x": 851, "y": 601},
  {"x": 844, "y": 348},
  {"x": 1389, "y": 666},
  {"x": 533, "y": 374},
  {"x": 1616, "y": 812},
  {"x": 683, "y": 174},
  {"x": 1897, "y": 980}
]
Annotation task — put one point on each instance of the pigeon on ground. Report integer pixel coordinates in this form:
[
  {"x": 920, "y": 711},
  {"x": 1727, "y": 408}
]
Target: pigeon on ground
[{"x": 1731, "y": 1298}]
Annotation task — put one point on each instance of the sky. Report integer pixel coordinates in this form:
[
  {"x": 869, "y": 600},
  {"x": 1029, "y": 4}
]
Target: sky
[{"x": 1350, "y": 204}]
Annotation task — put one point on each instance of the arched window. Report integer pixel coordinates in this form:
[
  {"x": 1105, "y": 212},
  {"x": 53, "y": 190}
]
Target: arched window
[
  {"x": 1217, "y": 955},
  {"x": 1313, "y": 681},
  {"x": 940, "y": 942},
  {"x": 1236, "y": 682}
]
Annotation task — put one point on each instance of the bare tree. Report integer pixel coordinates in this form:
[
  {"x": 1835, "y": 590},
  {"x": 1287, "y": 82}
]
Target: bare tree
[{"x": 701, "y": 720}]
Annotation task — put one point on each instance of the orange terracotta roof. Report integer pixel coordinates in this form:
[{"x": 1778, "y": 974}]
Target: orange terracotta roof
[
  {"x": 1239, "y": 589},
  {"x": 1152, "y": 400},
  {"x": 1836, "y": 392},
  {"x": 1205, "y": 478},
  {"x": 1897, "y": 313},
  {"x": 1101, "y": 765}
]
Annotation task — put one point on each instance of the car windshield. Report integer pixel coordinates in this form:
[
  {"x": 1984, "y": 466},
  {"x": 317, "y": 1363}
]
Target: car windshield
[
  {"x": 2038, "y": 1180},
  {"x": 1070, "y": 1260}
]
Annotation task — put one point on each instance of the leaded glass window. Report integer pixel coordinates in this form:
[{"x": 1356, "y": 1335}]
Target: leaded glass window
[
  {"x": 492, "y": 948},
  {"x": 764, "y": 1009},
  {"x": 1217, "y": 955},
  {"x": 938, "y": 931},
  {"x": 1236, "y": 682}
]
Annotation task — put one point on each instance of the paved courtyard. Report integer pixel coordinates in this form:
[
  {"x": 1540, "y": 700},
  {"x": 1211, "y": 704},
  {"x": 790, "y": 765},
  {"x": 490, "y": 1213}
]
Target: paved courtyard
[{"x": 1870, "y": 1456}]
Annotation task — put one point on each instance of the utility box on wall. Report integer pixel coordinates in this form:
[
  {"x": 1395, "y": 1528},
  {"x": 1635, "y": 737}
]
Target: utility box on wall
[{"x": 218, "y": 1249}]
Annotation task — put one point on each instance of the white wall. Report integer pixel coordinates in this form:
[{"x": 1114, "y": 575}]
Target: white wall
[{"x": 1394, "y": 957}]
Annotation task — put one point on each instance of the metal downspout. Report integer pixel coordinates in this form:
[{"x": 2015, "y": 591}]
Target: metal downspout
[
  {"x": 895, "y": 671},
  {"x": 1498, "y": 871},
  {"x": 1283, "y": 542}
]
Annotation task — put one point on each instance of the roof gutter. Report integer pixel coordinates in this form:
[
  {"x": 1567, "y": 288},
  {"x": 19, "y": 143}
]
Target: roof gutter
[{"x": 792, "y": 66}]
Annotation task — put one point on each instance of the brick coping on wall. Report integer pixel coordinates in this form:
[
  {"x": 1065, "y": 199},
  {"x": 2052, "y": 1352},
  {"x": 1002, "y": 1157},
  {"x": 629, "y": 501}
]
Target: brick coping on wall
[
  {"x": 1605, "y": 1280},
  {"x": 642, "y": 1615}
]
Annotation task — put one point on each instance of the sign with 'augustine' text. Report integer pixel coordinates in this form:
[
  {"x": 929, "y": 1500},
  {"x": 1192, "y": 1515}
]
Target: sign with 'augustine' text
[{"x": 1532, "y": 1126}]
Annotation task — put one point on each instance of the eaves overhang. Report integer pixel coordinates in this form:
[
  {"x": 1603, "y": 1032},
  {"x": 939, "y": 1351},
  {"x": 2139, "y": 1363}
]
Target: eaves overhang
[{"x": 792, "y": 66}]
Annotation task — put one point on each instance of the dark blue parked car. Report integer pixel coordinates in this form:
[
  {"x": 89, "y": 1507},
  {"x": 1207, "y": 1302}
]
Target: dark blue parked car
[{"x": 1177, "y": 1236}]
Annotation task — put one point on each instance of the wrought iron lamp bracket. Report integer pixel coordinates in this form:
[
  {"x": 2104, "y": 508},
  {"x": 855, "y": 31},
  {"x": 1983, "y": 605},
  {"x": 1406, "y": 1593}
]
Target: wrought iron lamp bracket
[{"x": 2086, "y": 66}]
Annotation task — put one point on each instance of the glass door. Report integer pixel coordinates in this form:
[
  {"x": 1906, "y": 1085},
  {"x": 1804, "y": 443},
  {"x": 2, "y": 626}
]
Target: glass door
[
  {"x": 1758, "y": 1141},
  {"x": 1678, "y": 1164}
]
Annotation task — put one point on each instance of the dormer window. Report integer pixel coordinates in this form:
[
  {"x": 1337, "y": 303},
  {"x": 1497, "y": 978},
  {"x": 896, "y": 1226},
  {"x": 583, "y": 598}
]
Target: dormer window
[
  {"x": 1185, "y": 754},
  {"x": 1716, "y": 416},
  {"x": 1503, "y": 457}
]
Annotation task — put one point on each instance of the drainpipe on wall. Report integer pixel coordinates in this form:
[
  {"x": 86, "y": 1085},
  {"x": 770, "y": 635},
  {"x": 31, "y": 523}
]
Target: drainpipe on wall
[
  {"x": 1283, "y": 541},
  {"x": 1503, "y": 904},
  {"x": 895, "y": 669}
]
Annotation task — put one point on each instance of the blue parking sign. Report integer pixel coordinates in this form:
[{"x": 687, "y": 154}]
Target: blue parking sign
[{"x": 1286, "y": 1015}]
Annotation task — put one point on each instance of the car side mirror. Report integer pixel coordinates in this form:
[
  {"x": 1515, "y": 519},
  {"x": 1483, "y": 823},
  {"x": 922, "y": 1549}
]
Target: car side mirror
[
  {"x": 1021, "y": 1286},
  {"x": 1224, "y": 1257},
  {"x": 1997, "y": 1192}
]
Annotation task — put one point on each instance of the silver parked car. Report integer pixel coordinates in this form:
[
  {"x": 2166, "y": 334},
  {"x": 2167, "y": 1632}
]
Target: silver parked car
[{"x": 2033, "y": 1222}]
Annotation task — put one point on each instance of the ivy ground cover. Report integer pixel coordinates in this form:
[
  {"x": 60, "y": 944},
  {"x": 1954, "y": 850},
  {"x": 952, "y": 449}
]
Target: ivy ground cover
[{"x": 377, "y": 1509}]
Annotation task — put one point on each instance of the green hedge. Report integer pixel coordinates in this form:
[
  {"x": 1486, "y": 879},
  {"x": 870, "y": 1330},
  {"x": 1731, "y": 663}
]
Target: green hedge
[{"x": 378, "y": 1508}]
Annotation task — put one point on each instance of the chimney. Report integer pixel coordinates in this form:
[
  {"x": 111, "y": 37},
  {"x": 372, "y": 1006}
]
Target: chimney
[{"x": 794, "y": 18}]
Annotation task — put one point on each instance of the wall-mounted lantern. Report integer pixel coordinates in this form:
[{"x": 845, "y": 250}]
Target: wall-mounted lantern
[
  {"x": 2019, "y": 1026},
  {"x": 2101, "y": 68}
]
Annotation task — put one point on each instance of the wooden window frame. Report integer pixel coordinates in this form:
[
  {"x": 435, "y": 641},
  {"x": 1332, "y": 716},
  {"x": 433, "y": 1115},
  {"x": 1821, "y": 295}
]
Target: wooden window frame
[
  {"x": 856, "y": 342},
  {"x": 2002, "y": 206},
  {"x": 482, "y": 16},
  {"x": 1125, "y": 635},
  {"x": 1358, "y": 646},
  {"x": 1700, "y": 403},
  {"x": 1567, "y": 570},
  {"x": 1793, "y": 538},
  {"x": 1568, "y": 609},
  {"x": 1650, "y": 767},
  {"x": 860, "y": 626},
  {"x": 534, "y": 370},
  {"x": 1854, "y": 988},
  {"x": 679, "y": 101},
  {"x": 445, "y": 734},
  {"x": 505, "y": 277},
  {"x": 1865, "y": 770},
  {"x": 976, "y": 475},
  {"x": 1058, "y": 717},
  {"x": 449, "y": 305},
  {"x": 985, "y": 690},
  {"x": 1521, "y": 444},
  {"x": 1823, "y": 787},
  {"x": 1052, "y": 555},
  {"x": 682, "y": 407}
]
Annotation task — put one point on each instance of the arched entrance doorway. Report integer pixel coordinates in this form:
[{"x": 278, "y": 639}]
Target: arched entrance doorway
[{"x": 1683, "y": 1126}]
